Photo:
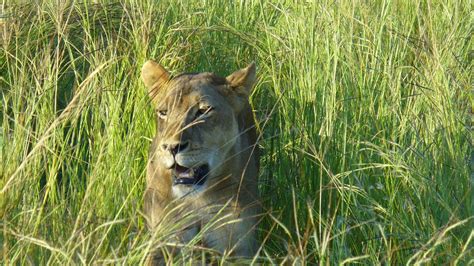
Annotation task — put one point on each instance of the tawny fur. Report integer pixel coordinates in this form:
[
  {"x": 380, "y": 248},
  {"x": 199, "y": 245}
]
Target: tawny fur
[{"x": 225, "y": 138}]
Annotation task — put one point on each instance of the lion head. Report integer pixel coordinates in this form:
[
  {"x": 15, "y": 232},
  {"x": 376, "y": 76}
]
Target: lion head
[{"x": 198, "y": 127}]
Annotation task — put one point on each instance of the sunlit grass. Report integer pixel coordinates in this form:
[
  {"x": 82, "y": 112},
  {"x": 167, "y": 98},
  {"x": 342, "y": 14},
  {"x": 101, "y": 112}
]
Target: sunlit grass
[{"x": 364, "y": 110}]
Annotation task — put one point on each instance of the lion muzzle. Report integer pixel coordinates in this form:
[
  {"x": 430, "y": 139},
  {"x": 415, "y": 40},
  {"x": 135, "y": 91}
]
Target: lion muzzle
[{"x": 190, "y": 176}]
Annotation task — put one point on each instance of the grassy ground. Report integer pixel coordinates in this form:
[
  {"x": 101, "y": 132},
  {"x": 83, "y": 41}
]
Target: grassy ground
[{"x": 364, "y": 108}]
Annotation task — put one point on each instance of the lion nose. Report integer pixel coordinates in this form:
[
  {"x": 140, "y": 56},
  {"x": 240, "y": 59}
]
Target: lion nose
[{"x": 176, "y": 148}]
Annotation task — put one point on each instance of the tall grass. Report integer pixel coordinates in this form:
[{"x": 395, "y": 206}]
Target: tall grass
[{"x": 364, "y": 109}]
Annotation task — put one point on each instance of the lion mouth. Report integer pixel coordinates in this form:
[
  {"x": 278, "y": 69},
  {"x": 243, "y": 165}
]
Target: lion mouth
[{"x": 190, "y": 176}]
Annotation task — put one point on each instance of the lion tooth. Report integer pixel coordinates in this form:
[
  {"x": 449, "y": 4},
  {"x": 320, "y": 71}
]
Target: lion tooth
[{"x": 189, "y": 173}]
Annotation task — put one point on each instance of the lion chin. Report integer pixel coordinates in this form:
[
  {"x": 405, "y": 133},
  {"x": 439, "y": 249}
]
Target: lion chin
[
  {"x": 204, "y": 154},
  {"x": 180, "y": 191}
]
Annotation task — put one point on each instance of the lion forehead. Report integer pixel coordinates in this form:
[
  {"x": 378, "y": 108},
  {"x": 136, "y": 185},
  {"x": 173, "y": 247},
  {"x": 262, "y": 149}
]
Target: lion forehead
[
  {"x": 187, "y": 90},
  {"x": 187, "y": 83}
]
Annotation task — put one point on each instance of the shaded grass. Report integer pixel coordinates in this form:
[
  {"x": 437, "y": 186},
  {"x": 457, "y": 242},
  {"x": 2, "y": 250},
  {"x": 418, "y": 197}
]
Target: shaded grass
[{"x": 364, "y": 111}]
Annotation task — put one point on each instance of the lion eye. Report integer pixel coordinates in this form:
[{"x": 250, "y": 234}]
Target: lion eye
[
  {"x": 162, "y": 113},
  {"x": 204, "y": 110}
]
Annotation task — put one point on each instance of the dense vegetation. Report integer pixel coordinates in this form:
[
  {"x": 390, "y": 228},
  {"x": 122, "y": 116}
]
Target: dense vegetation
[{"x": 363, "y": 109}]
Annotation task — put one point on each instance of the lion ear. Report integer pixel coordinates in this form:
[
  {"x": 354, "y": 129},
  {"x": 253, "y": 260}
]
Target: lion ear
[
  {"x": 242, "y": 80},
  {"x": 154, "y": 75}
]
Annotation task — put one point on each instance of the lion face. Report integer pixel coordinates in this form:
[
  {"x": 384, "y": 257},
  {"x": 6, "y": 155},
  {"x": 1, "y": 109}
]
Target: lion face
[
  {"x": 196, "y": 130},
  {"x": 196, "y": 125}
]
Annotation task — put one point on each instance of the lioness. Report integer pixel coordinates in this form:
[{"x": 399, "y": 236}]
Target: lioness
[{"x": 204, "y": 154}]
